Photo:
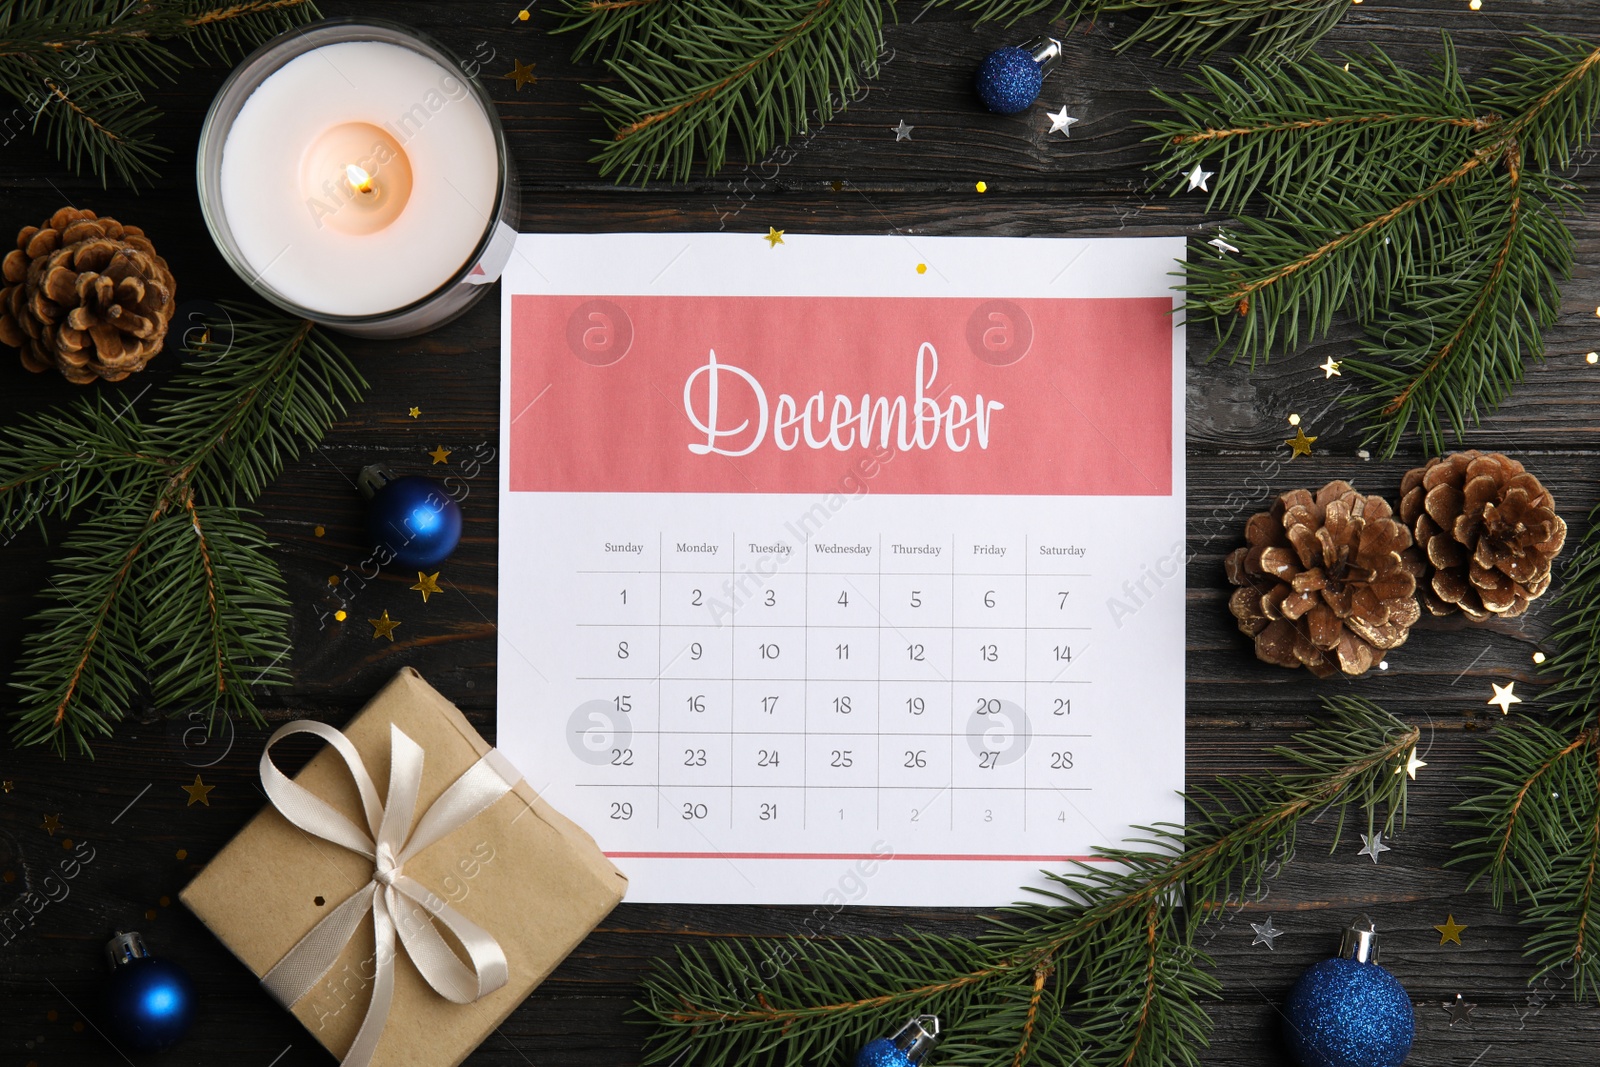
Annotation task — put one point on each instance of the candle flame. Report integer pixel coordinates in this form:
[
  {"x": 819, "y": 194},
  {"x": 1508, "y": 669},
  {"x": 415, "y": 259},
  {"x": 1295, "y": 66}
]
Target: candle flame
[{"x": 359, "y": 179}]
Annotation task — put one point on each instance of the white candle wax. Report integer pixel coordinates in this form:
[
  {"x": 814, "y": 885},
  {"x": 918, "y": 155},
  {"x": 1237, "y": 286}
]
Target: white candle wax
[{"x": 359, "y": 177}]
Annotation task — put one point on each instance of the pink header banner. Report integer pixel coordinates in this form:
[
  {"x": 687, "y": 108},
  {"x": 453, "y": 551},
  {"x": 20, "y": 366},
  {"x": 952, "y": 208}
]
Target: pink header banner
[{"x": 725, "y": 394}]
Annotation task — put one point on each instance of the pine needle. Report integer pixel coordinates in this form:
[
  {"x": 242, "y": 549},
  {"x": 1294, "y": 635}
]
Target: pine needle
[
  {"x": 165, "y": 590},
  {"x": 1428, "y": 209},
  {"x": 1099, "y": 969},
  {"x": 78, "y": 70},
  {"x": 1535, "y": 823},
  {"x": 690, "y": 78}
]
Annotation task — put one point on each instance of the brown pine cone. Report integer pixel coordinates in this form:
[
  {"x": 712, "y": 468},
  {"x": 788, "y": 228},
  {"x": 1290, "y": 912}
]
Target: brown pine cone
[
  {"x": 86, "y": 295},
  {"x": 1489, "y": 530},
  {"x": 1327, "y": 582}
]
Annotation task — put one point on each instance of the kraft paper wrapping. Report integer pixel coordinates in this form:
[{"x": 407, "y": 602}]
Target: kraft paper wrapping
[{"x": 521, "y": 870}]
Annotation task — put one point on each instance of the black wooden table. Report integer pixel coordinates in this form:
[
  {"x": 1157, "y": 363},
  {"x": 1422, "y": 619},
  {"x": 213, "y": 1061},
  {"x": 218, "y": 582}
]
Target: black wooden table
[{"x": 852, "y": 176}]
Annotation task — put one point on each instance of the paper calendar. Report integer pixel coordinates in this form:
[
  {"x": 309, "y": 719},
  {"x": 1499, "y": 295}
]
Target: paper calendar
[{"x": 846, "y": 569}]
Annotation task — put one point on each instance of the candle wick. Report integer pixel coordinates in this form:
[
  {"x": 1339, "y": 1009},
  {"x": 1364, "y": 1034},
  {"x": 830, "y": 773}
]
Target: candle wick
[{"x": 359, "y": 179}]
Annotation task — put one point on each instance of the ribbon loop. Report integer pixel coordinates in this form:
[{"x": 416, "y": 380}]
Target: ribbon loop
[{"x": 401, "y": 907}]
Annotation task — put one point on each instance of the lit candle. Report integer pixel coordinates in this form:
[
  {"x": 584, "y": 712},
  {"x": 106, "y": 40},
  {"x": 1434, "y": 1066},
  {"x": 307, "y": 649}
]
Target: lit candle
[{"x": 352, "y": 174}]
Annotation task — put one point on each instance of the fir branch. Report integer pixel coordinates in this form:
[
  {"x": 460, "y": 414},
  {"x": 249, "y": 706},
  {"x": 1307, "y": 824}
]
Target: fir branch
[
  {"x": 165, "y": 587},
  {"x": 691, "y": 76},
  {"x": 74, "y": 688},
  {"x": 54, "y": 461},
  {"x": 721, "y": 70},
  {"x": 78, "y": 69},
  {"x": 1534, "y": 823},
  {"x": 1100, "y": 968},
  {"x": 1273, "y": 30},
  {"x": 1428, "y": 209}
]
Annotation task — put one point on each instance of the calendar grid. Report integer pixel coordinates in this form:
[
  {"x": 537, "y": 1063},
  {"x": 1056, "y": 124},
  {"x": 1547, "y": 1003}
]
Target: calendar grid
[
  {"x": 805, "y": 686},
  {"x": 661, "y": 703},
  {"x": 699, "y": 650},
  {"x": 733, "y": 686},
  {"x": 877, "y": 814},
  {"x": 951, "y": 728}
]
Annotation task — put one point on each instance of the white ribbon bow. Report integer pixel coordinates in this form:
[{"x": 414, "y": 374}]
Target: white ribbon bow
[{"x": 393, "y": 840}]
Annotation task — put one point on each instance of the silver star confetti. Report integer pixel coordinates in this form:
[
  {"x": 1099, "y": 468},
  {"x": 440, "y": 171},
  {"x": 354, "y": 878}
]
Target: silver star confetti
[
  {"x": 902, "y": 132},
  {"x": 1198, "y": 178},
  {"x": 1372, "y": 845},
  {"x": 1265, "y": 932},
  {"x": 1459, "y": 1010},
  {"x": 1060, "y": 121}
]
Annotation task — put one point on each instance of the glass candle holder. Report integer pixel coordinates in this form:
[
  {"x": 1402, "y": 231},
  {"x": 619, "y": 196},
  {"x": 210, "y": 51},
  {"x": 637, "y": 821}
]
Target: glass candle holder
[{"x": 355, "y": 173}]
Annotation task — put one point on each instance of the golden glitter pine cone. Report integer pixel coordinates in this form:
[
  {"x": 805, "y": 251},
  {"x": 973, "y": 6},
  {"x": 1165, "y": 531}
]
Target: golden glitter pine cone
[
  {"x": 1326, "y": 582},
  {"x": 1489, "y": 530},
  {"x": 86, "y": 295}
]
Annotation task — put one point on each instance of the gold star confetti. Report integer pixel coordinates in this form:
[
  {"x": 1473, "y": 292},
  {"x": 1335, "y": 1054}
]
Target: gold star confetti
[
  {"x": 415, "y": 413},
  {"x": 383, "y": 626},
  {"x": 1450, "y": 930},
  {"x": 1330, "y": 369},
  {"x": 982, "y": 187},
  {"x": 1504, "y": 697},
  {"x": 427, "y": 583},
  {"x": 521, "y": 73},
  {"x": 52, "y": 823},
  {"x": 774, "y": 237},
  {"x": 8, "y": 785},
  {"x": 199, "y": 793},
  {"x": 1412, "y": 766},
  {"x": 1300, "y": 443},
  {"x": 440, "y": 455}
]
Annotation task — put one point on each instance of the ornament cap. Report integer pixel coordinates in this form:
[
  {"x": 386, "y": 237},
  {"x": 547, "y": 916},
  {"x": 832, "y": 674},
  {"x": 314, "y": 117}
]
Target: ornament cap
[
  {"x": 372, "y": 478},
  {"x": 917, "y": 1037},
  {"x": 1360, "y": 941},
  {"x": 125, "y": 948},
  {"x": 1046, "y": 52}
]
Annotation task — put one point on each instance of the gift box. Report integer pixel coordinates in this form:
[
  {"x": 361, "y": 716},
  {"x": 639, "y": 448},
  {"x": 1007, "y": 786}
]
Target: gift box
[{"x": 402, "y": 918}]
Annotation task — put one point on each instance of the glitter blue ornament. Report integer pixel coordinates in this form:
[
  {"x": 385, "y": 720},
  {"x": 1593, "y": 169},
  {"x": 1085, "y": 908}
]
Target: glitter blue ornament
[
  {"x": 1009, "y": 80},
  {"x": 148, "y": 1002},
  {"x": 1348, "y": 1011},
  {"x": 412, "y": 522},
  {"x": 908, "y": 1047}
]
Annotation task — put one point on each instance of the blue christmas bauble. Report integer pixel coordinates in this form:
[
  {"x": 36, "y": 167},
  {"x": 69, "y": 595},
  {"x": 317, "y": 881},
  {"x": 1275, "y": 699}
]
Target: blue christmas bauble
[
  {"x": 881, "y": 1052},
  {"x": 1009, "y": 81},
  {"x": 907, "y": 1047},
  {"x": 415, "y": 520},
  {"x": 149, "y": 1003},
  {"x": 1345, "y": 1013}
]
